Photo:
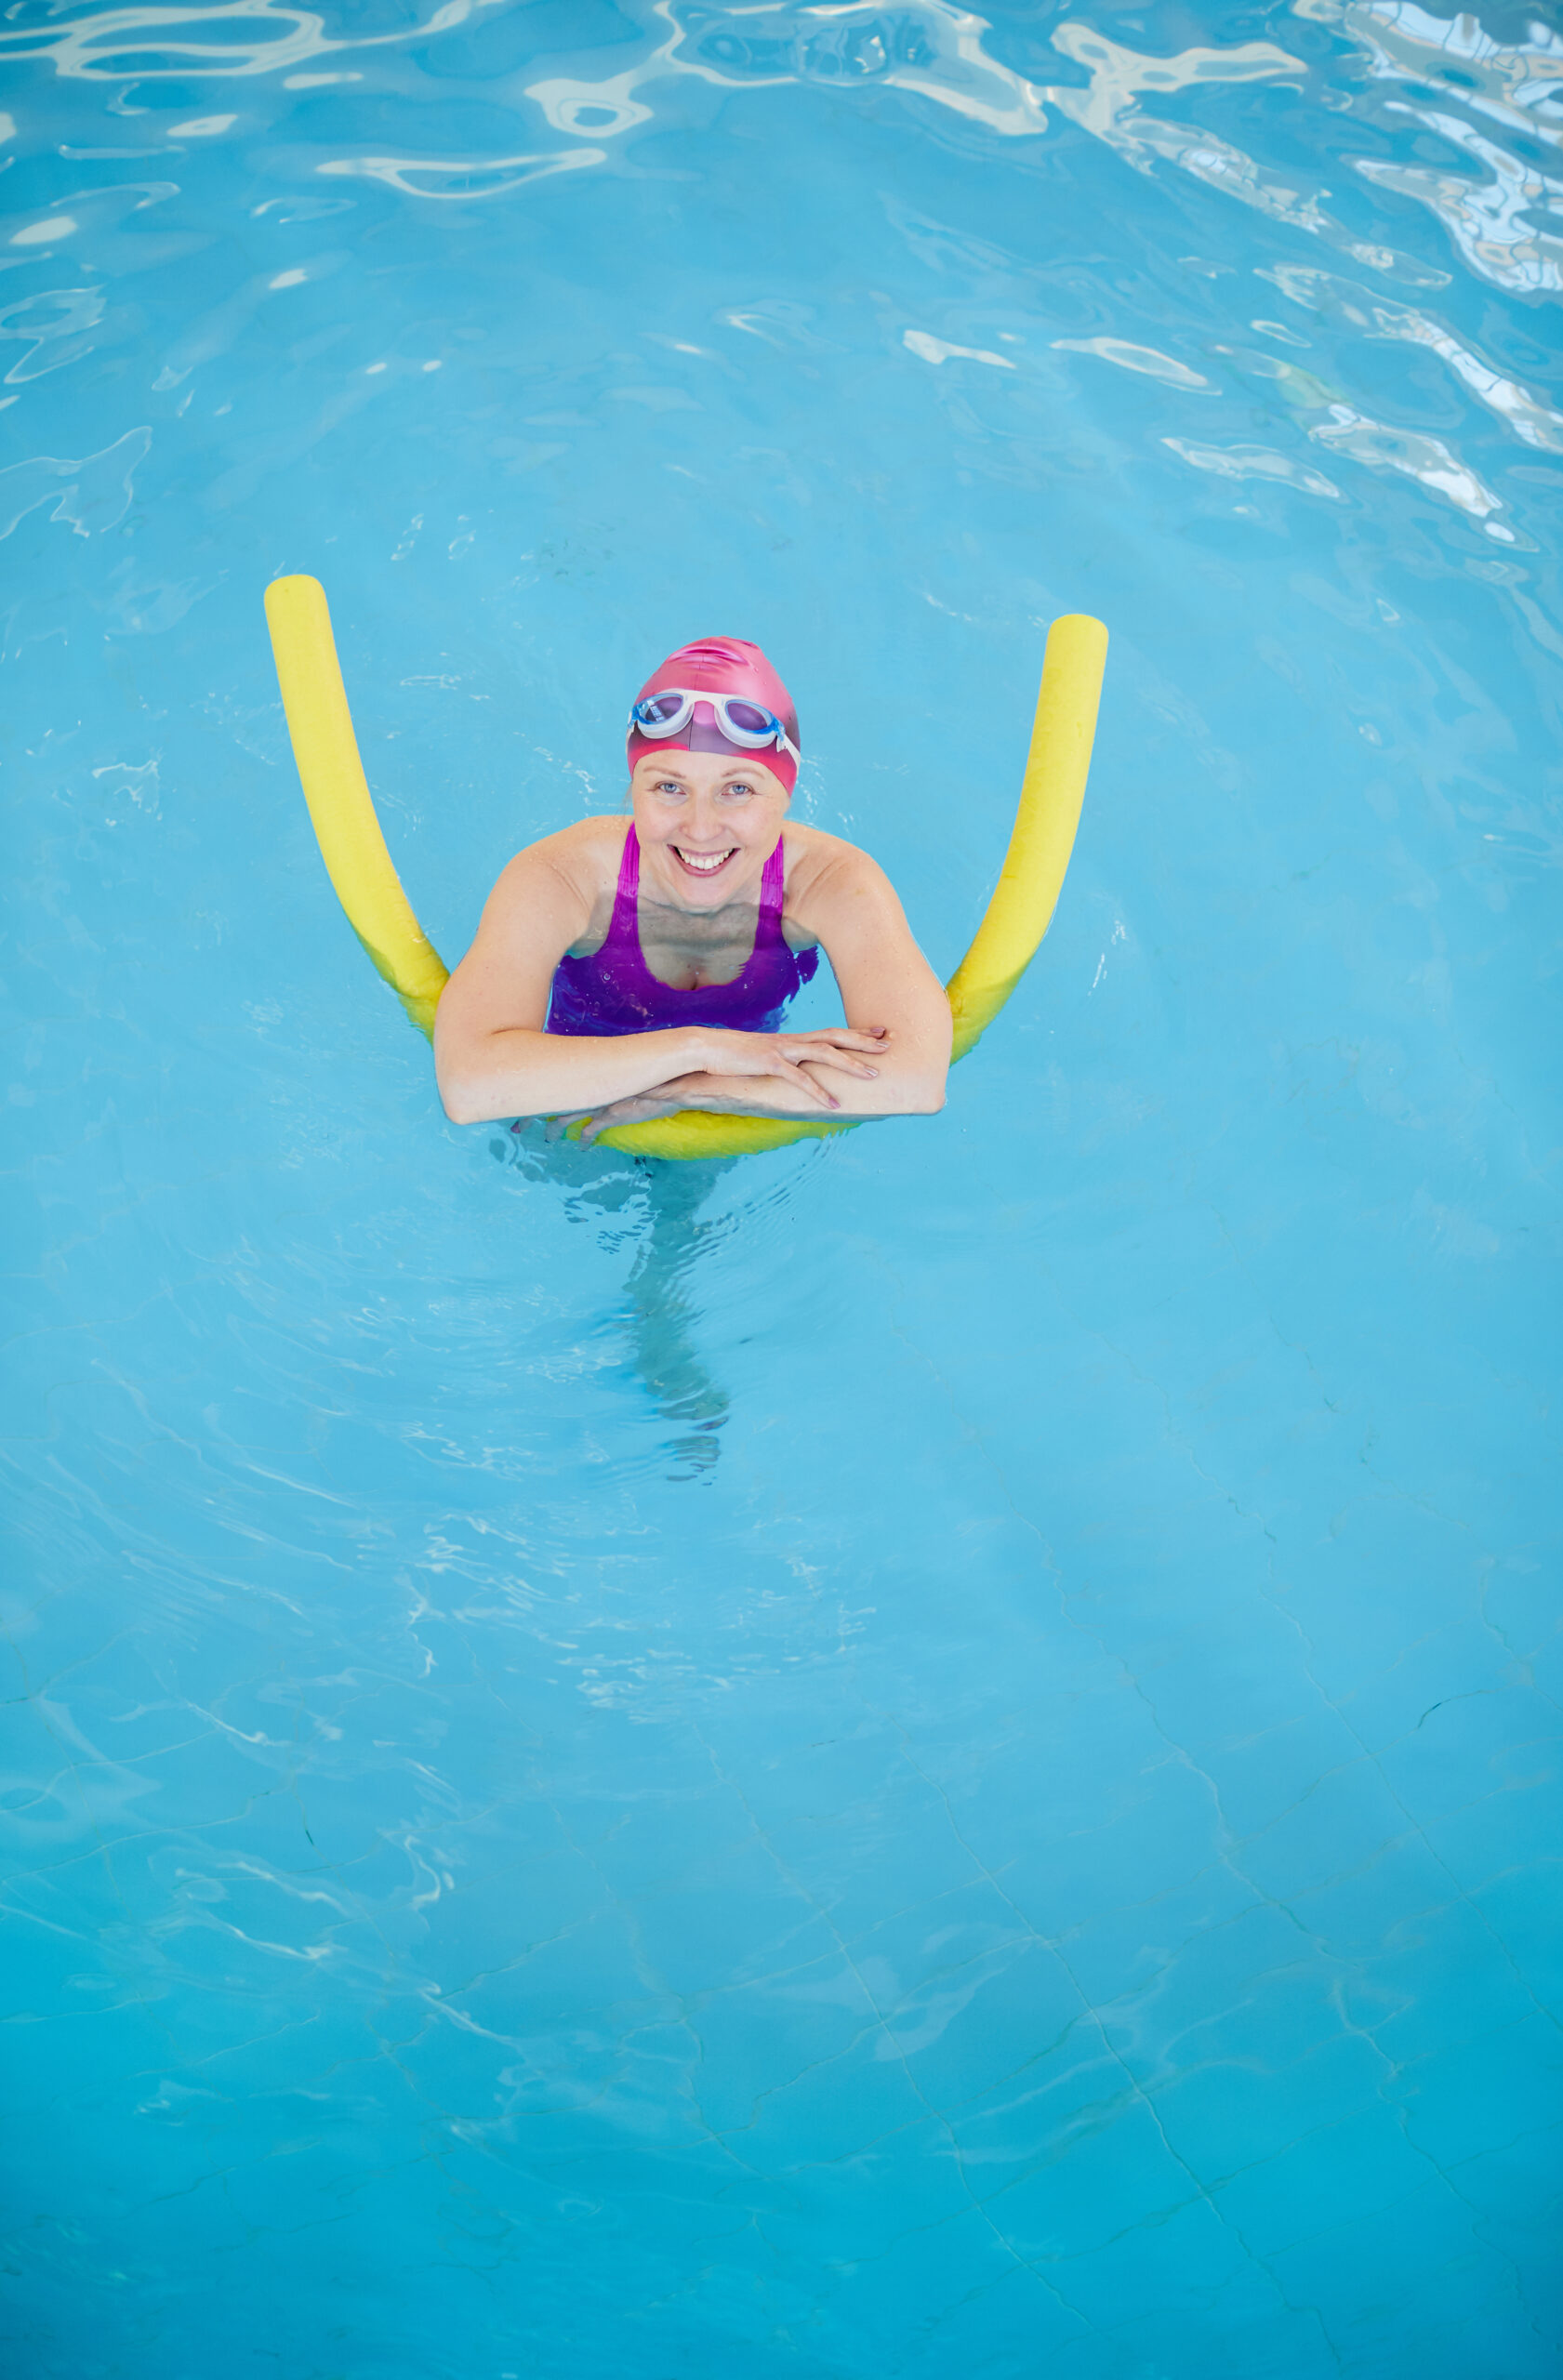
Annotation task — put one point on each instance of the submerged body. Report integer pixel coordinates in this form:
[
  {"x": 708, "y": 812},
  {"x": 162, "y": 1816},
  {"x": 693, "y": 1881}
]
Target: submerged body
[
  {"x": 627, "y": 969},
  {"x": 613, "y": 990}
]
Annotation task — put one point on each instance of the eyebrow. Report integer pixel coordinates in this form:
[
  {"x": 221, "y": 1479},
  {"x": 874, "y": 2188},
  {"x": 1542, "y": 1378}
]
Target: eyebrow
[{"x": 735, "y": 774}]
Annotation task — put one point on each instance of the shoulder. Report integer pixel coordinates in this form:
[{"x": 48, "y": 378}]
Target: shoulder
[
  {"x": 576, "y": 865},
  {"x": 829, "y": 880}
]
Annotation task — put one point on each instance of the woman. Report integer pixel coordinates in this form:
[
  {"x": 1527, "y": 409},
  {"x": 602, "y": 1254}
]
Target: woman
[{"x": 627, "y": 969}]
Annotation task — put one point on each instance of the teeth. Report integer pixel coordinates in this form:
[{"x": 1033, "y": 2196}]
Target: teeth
[{"x": 705, "y": 863}]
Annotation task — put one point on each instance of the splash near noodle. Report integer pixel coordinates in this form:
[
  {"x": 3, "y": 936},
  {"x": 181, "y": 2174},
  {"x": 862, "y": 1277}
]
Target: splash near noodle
[{"x": 370, "y": 891}]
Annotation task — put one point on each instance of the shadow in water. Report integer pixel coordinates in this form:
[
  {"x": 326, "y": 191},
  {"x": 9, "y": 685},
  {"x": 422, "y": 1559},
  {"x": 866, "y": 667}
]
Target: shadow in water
[
  {"x": 655, "y": 1204},
  {"x": 658, "y": 1317}
]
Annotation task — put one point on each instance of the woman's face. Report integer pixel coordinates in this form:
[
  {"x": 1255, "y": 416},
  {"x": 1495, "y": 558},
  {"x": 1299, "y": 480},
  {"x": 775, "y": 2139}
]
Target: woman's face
[{"x": 707, "y": 824}]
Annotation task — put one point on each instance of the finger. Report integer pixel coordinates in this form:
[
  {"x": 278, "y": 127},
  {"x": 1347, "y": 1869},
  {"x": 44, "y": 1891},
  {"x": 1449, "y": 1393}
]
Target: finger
[
  {"x": 602, "y": 1119},
  {"x": 830, "y": 1056},
  {"x": 843, "y": 1038},
  {"x": 816, "y": 1090},
  {"x": 825, "y": 1051},
  {"x": 793, "y": 1067}
]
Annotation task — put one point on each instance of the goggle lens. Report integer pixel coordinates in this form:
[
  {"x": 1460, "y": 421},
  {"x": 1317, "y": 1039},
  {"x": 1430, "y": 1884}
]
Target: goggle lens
[{"x": 749, "y": 719}]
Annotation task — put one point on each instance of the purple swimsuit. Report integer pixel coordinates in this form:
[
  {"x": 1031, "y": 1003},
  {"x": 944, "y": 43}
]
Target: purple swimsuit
[{"x": 614, "y": 991}]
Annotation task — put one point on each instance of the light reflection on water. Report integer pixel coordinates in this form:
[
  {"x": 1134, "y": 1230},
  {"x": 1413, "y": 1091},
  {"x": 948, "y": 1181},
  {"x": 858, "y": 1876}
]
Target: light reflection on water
[{"x": 935, "y": 1752}]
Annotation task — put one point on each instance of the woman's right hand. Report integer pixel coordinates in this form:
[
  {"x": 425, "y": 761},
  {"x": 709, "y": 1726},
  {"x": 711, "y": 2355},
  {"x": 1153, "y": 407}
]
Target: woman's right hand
[{"x": 787, "y": 1055}]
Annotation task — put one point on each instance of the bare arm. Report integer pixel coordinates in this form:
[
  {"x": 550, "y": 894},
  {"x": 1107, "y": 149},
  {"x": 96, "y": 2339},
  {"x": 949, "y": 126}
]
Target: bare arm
[{"x": 493, "y": 1057}]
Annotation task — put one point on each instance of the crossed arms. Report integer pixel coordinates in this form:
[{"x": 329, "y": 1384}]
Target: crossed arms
[{"x": 493, "y": 1057}]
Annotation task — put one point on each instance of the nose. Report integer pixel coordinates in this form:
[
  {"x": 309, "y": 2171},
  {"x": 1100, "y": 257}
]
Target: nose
[{"x": 706, "y": 826}]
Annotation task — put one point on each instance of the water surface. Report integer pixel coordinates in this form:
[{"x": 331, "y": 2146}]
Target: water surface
[{"x": 935, "y": 1754}]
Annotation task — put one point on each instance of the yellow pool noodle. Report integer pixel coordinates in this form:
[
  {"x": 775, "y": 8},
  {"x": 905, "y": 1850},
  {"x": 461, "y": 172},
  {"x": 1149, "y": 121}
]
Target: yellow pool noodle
[
  {"x": 370, "y": 891},
  {"x": 346, "y": 828},
  {"x": 1045, "y": 822}
]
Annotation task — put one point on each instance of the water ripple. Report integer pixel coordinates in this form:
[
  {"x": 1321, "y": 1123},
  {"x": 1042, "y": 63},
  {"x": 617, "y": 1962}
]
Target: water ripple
[
  {"x": 461, "y": 177},
  {"x": 644, "y": 1773},
  {"x": 1519, "y": 85},
  {"x": 1254, "y": 462},
  {"x": 1531, "y": 420},
  {"x": 929, "y": 48},
  {"x": 48, "y": 317},
  {"x": 1486, "y": 219},
  {"x": 152, "y": 44},
  {"x": 91, "y": 494}
]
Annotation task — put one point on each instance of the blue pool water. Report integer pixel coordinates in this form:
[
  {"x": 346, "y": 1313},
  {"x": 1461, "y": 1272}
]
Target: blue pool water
[{"x": 934, "y": 1755}]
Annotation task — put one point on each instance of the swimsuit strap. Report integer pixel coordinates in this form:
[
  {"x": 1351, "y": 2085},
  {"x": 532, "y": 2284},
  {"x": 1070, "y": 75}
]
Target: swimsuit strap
[
  {"x": 627, "y": 890},
  {"x": 621, "y": 944},
  {"x": 772, "y": 894}
]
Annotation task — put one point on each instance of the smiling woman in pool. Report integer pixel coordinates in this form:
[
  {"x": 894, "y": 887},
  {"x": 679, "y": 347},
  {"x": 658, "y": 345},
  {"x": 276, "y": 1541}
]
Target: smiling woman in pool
[{"x": 626, "y": 970}]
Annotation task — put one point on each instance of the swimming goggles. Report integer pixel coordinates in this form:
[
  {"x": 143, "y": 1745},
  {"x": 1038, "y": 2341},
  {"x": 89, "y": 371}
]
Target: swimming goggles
[{"x": 750, "y": 725}]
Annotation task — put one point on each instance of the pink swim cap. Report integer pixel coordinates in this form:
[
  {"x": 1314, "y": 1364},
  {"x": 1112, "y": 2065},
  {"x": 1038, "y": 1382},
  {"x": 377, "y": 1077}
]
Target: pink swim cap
[{"x": 727, "y": 666}]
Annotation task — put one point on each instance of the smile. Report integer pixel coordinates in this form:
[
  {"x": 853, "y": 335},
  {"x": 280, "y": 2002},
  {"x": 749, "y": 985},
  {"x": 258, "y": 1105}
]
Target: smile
[{"x": 704, "y": 863}]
